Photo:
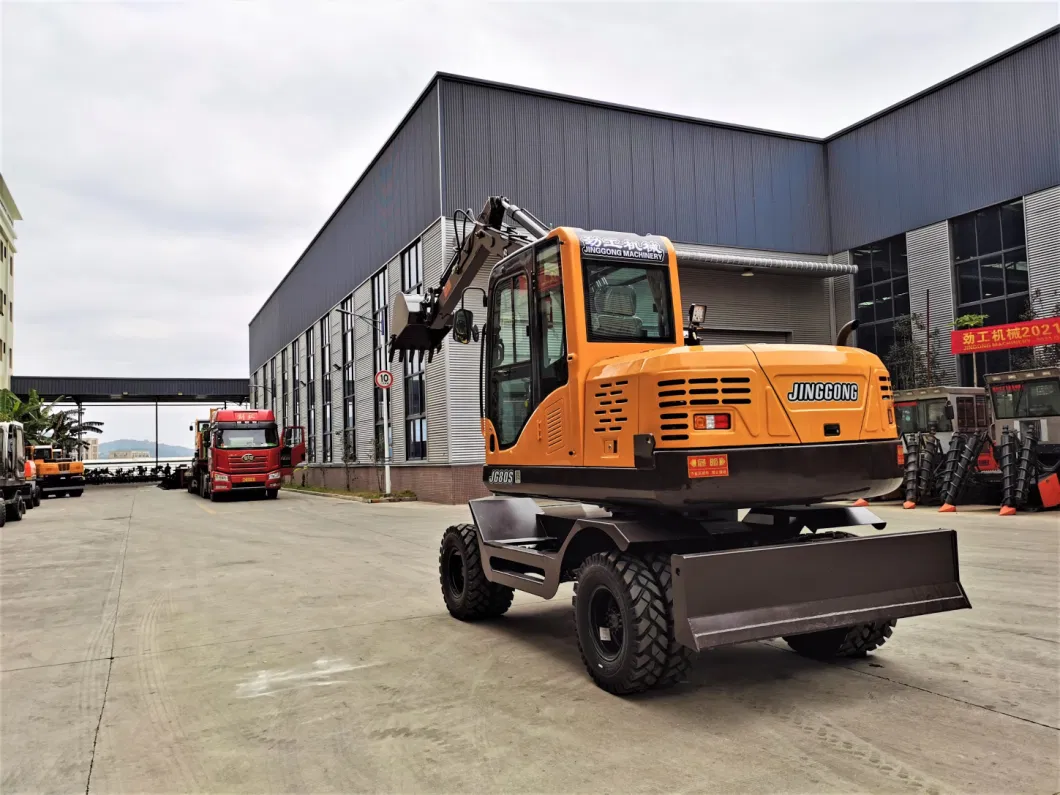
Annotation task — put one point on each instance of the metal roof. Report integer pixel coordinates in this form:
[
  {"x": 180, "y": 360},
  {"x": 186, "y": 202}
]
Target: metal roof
[{"x": 134, "y": 390}]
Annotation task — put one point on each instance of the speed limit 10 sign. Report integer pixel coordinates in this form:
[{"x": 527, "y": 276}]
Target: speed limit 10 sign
[{"x": 383, "y": 379}]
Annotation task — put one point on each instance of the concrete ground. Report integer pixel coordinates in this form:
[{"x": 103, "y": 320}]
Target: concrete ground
[{"x": 154, "y": 642}]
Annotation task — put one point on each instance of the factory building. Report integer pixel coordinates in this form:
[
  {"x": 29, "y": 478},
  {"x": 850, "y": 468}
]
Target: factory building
[{"x": 948, "y": 203}]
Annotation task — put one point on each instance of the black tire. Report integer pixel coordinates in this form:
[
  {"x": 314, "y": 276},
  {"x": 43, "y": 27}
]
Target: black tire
[
  {"x": 36, "y": 497},
  {"x": 855, "y": 641},
  {"x": 17, "y": 509},
  {"x": 468, "y": 595},
  {"x": 678, "y": 657},
  {"x": 3, "y": 513},
  {"x": 77, "y": 492},
  {"x": 28, "y": 502},
  {"x": 214, "y": 496},
  {"x": 621, "y": 590},
  {"x": 272, "y": 494}
]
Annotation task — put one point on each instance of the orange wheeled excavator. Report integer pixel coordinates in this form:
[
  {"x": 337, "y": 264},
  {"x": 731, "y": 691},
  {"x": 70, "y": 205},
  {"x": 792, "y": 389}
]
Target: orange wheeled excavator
[{"x": 620, "y": 452}]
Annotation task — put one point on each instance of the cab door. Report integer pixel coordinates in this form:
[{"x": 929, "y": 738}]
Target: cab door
[
  {"x": 292, "y": 453},
  {"x": 525, "y": 406}
]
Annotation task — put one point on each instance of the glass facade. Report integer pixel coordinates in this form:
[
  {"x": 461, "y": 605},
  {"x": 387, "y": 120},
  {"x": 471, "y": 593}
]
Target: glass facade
[
  {"x": 882, "y": 292},
  {"x": 349, "y": 412},
  {"x": 310, "y": 397},
  {"x": 325, "y": 391},
  {"x": 989, "y": 250},
  {"x": 296, "y": 376},
  {"x": 379, "y": 336},
  {"x": 415, "y": 385}
]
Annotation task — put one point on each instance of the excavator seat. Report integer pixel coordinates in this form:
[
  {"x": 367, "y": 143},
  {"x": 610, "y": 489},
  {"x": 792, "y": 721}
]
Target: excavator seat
[{"x": 617, "y": 312}]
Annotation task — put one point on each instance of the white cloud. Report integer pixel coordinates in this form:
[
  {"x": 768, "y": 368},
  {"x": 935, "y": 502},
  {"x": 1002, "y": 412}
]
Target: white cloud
[{"x": 172, "y": 160}]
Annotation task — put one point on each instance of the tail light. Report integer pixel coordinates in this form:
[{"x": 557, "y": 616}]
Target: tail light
[{"x": 711, "y": 422}]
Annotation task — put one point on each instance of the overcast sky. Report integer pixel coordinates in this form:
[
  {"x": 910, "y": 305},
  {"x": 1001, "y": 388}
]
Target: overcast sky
[{"x": 172, "y": 160}]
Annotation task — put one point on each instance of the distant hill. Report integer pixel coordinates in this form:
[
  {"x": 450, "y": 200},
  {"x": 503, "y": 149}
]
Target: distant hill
[{"x": 164, "y": 450}]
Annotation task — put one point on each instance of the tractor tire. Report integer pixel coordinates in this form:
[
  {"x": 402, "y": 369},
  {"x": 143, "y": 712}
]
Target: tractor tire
[
  {"x": 678, "y": 657},
  {"x": 620, "y": 618},
  {"x": 18, "y": 509},
  {"x": 855, "y": 641},
  {"x": 468, "y": 595}
]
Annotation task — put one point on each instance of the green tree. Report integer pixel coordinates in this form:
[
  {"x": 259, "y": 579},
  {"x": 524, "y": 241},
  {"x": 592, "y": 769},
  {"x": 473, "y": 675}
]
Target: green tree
[
  {"x": 36, "y": 416},
  {"x": 1038, "y": 307},
  {"x": 971, "y": 321},
  {"x": 911, "y": 365},
  {"x": 67, "y": 431}
]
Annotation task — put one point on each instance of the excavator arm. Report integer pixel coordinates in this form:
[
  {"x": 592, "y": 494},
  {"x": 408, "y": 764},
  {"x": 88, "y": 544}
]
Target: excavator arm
[{"x": 420, "y": 322}]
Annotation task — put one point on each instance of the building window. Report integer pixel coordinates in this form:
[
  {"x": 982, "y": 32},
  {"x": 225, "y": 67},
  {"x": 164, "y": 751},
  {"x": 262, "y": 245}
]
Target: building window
[
  {"x": 415, "y": 386},
  {"x": 325, "y": 391},
  {"x": 254, "y": 390},
  {"x": 349, "y": 408},
  {"x": 283, "y": 388},
  {"x": 296, "y": 408},
  {"x": 310, "y": 397},
  {"x": 379, "y": 303},
  {"x": 882, "y": 294},
  {"x": 990, "y": 272}
]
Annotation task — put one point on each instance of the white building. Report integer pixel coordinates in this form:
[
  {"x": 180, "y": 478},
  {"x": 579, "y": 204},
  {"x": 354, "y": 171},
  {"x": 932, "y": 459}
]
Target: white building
[{"x": 8, "y": 215}]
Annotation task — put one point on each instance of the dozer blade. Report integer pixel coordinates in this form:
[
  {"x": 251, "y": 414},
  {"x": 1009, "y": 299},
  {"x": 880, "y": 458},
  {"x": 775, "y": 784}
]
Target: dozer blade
[{"x": 773, "y": 591}]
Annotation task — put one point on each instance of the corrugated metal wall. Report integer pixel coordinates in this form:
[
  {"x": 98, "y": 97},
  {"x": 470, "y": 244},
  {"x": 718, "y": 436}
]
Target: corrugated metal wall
[
  {"x": 1042, "y": 223},
  {"x": 397, "y": 391},
  {"x": 989, "y": 137},
  {"x": 395, "y": 198},
  {"x": 931, "y": 269},
  {"x": 582, "y": 165},
  {"x": 793, "y": 306},
  {"x": 363, "y": 374},
  {"x": 437, "y": 377}
]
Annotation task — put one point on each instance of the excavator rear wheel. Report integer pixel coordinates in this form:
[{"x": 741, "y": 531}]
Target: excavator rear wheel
[
  {"x": 678, "y": 657},
  {"x": 620, "y": 618},
  {"x": 855, "y": 641},
  {"x": 467, "y": 593}
]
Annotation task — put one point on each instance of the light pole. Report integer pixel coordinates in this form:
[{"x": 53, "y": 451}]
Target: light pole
[{"x": 386, "y": 398}]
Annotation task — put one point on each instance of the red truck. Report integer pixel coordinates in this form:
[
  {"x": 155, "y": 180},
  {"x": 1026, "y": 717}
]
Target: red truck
[{"x": 242, "y": 451}]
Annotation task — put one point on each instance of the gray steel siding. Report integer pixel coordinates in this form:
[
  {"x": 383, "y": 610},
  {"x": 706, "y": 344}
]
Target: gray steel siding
[
  {"x": 931, "y": 269},
  {"x": 842, "y": 296},
  {"x": 364, "y": 374},
  {"x": 130, "y": 388},
  {"x": 397, "y": 391},
  {"x": 437, "y": 376},
  {"x": 987, "y": 138},
  {"x": 394, "y": 199},
  {"x": 597, "y": 167},
  {"x": 1042, "y": 222},
  {"x": 793, "y": 306}
]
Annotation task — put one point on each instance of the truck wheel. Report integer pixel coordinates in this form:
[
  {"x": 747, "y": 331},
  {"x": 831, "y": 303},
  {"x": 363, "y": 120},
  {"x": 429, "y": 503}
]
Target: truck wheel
[
  {"x": 272, "y": 494},
  {"x": 620, "y": 619},
  {"x": 678, "y": 657},
  {"x": 36, "y": 498},
  {"x": 77, "y": 492},
  {"x": 28, "y": 502},
  {"x": 18, "y": 509},
  {"x": 855, "y": 641},
  {"x": 467, "y": 593},
  {"x": 3, "y": 513}
]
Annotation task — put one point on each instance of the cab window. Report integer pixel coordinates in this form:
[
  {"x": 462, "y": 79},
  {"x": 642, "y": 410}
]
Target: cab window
[
  {"x": 627, "y": 303},
  {"x": 551, "y": 324}
]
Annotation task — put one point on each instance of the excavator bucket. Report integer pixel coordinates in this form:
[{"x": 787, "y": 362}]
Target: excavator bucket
[
  {"x": 411, "y": 334},
  {"x": 790, "y": 589}
]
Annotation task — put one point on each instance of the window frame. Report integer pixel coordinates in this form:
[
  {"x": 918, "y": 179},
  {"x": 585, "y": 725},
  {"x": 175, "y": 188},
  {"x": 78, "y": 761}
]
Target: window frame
[
  {"x": 414, "y": 370},
  {"x": 325, "y": 389},
  {"x": 349, "y": 387},
  {"x": 380, "y": 303},
  {"x": 896, "y": 283},
  {"x": 590, "y": 336}
]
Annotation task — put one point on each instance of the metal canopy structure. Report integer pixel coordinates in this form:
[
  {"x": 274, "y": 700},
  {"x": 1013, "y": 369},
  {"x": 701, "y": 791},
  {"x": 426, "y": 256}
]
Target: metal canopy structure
[{"x": 134, "y": 390}]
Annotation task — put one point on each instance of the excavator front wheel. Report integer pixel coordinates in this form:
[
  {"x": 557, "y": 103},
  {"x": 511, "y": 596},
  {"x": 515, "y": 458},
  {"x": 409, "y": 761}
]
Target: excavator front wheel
[
  {"x": 620, "y": 616},
  {"x": 467, "y": 593}
]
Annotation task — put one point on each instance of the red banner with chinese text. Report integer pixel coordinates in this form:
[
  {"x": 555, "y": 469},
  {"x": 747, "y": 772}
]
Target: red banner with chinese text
[{"x": 1025, "y": 334}]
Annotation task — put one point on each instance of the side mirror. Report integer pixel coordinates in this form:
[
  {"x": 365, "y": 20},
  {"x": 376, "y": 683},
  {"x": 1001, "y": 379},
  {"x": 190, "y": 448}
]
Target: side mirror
[
  {"x": 949, "y": 411},
  {"x": 463, "y": 320}
]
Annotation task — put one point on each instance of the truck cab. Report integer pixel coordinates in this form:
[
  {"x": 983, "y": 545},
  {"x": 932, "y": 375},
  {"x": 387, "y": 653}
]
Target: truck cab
[
  {"x": 1028, "y": 401},
  {"x": 243, "y": 451},
  {"x": 12, "y": 471},
  {"x": 944, "y": 411}
]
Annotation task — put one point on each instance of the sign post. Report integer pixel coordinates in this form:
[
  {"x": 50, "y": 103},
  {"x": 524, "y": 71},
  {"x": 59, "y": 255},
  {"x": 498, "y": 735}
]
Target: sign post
[{"x": 384, "y": 379}]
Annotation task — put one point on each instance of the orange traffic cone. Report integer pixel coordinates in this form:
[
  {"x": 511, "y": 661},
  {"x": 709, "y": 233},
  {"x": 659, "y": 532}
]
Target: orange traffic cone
[
  {"x": 1006, "y": 510},
  {"x": 947, "y": 508},
  {"x": 861, "y": 503},
  {"x": 908, "y": 504}
]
